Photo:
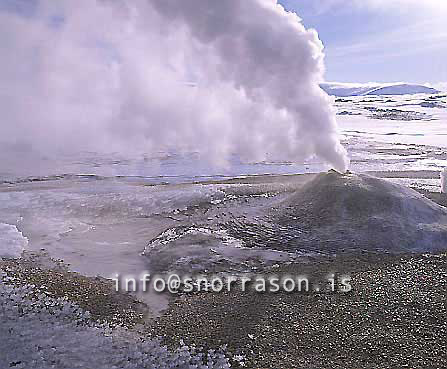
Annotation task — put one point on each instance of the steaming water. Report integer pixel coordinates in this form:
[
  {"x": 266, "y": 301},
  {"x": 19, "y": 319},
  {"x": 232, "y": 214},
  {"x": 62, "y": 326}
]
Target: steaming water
[{"x": 108, "y": 214}]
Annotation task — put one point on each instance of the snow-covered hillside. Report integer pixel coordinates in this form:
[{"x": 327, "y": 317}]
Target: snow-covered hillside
[{"x": 357, "y": 89}]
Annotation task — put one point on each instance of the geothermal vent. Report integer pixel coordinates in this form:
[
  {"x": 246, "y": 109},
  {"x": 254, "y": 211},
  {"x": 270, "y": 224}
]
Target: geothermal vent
[
  {"x": 337, "y": 212},
  {"x": 362, "y": 212}
]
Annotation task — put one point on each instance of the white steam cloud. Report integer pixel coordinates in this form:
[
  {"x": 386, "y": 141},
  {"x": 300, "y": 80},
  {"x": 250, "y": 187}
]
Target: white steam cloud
[{"x": 218, "y": 77}]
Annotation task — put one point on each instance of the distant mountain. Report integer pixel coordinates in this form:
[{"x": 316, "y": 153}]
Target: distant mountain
[{"x": 375, "y": 89}]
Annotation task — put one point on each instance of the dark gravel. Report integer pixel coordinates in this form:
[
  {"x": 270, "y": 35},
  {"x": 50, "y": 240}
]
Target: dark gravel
[{"x": 395, "y": 317}]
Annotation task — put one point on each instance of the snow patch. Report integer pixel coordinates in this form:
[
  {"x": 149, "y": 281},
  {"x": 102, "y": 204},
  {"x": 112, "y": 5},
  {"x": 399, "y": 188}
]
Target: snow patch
[{"x": 12, "y": 241}]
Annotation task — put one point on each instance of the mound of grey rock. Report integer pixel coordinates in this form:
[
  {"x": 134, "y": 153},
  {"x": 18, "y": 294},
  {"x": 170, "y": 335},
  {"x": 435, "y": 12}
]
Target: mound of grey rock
[{"x": 343, "y": 211}]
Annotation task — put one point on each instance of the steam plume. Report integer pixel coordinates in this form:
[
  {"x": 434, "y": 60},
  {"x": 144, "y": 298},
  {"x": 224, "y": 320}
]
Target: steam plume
[{"x": 218, "y": 77}]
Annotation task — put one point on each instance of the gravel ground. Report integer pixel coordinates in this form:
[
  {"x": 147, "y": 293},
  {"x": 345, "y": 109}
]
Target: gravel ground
[
  {"x": 395, "y": 317},
  {"x": 96, "y": 295},
  {"x": 39, "y": 331}
]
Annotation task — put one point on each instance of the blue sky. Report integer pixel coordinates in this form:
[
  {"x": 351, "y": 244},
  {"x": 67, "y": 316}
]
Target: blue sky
[{"x": 379, "y": 40}]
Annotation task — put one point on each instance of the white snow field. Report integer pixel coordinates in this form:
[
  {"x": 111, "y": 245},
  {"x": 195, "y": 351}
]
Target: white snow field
[{"x": 364, "y": 89}]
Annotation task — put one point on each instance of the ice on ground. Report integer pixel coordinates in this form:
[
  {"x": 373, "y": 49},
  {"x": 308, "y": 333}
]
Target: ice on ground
[
  {"x": 41, "y": 332},
  {"x": 99, "y": 227},
  {"x": 198, "y": 249},
  {"x": 12, "y": 242}
]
